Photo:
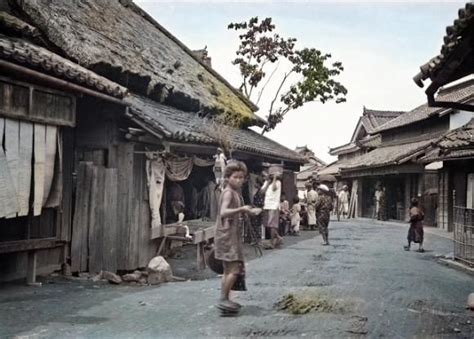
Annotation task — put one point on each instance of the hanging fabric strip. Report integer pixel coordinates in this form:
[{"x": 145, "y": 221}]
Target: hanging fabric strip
[
  {"x": 178, "y": 169},
  {"x": 155, "y": 170},
  {"x": 51, "y": 143},
  {"x": 56, "y": 191},
  {"x": 40, "y": 156},
  {"x": 24, "y": 167},
  {"x": 203, "y": 162},
  {"x": 12, "y": 150},
  {"x": 8, "y": 196}
]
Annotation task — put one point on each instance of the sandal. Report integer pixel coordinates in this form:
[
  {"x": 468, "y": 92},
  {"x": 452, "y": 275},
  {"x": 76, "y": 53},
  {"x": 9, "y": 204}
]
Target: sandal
[
  {"x": 421, "y": 250},
  {"x": 406, "y": 248}
]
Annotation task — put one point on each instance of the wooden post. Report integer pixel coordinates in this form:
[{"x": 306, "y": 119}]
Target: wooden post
[
  {"x": 201, "y": 263},
  {"x": 31, "y": 269}
]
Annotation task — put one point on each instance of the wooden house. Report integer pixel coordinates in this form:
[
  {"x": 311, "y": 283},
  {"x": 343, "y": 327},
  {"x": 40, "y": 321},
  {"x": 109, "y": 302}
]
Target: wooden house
[
  {"x": 393, "y": 163},
  {"x": 130, "y": 160},
  {"x": 312, "y": 165},
  {"x": 453, "y": 153},
  {"x": 39, "y": 96}
]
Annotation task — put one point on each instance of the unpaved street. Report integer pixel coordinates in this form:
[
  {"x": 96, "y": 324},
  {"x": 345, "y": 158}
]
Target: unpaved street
[{"x": 364, "y": 284}]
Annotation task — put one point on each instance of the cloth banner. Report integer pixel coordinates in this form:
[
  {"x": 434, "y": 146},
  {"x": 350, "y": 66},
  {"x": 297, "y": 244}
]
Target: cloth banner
[{"x": 155, "y": 173}]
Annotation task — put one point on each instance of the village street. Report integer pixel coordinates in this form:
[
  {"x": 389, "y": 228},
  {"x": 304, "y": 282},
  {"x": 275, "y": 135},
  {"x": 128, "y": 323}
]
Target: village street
[{"x": 365, "y": 284}]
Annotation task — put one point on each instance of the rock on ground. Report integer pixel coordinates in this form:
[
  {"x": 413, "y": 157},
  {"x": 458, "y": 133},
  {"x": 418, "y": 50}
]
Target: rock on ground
[{"x": 159, "y": 271}]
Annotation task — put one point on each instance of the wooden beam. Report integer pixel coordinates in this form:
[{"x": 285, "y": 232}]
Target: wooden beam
[{"x": 29, "y": 245}]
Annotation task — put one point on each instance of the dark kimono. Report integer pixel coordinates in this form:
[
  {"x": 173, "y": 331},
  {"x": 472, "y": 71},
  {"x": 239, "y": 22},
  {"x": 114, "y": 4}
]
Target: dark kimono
[
  {"x": 324, "y": 206},
  {"x": 415, "y": 233}
]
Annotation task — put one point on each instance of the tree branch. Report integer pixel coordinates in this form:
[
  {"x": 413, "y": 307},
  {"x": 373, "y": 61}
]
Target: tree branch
[
  {"x": 278, "y": 91},
  {"x": 265, "y": 85}
]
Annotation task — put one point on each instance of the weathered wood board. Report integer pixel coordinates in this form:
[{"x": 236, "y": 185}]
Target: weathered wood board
[
  {"x": 80, "y": 229},
  {"x": 109, "y": 226},
  {"x": 50, "y": 156}
]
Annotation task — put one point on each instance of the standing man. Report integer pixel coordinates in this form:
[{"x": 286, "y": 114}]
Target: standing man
[
  {"x": 271, "y": 206},
  {"x": 344, "y": 201},
  {"x": 323, "y": 208},
  {"x": 311, "y": 197}
]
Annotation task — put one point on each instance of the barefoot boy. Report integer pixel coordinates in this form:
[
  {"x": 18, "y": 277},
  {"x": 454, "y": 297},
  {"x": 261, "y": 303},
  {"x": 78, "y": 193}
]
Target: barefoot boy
[{"x": 228, "y": 238}]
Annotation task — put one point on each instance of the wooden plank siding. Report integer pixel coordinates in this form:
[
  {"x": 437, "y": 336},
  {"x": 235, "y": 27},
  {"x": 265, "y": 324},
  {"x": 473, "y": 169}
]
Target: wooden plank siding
[{"x": 34, "y": 103}]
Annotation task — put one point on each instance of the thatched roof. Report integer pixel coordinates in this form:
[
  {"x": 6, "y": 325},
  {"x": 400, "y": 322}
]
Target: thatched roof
[
  {"x": 186, "y": 127},
  {"x": 118, "y": 40}
]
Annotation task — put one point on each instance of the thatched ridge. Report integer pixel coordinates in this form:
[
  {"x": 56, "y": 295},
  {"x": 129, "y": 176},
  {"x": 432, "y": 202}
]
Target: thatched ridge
[{"x": 116, "y": 39}]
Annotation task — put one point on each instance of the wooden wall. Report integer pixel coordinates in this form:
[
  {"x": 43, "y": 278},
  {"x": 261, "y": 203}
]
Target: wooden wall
[{"x": 112, "y": 223}]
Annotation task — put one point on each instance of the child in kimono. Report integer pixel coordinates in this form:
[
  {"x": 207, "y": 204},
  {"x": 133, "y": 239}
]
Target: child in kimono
[
  {"x": 295, "y": 217},
  {"x": 228, "y": 237}
]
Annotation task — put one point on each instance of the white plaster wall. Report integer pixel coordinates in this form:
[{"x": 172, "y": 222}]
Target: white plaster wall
[{"x": 459, "y": 118}]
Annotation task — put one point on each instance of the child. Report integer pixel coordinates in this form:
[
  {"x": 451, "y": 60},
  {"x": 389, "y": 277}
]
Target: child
[
  {"x": 295, "y": 217},
  {"x": 284, "y": 215},
  {"x": 228, "y": 237}
]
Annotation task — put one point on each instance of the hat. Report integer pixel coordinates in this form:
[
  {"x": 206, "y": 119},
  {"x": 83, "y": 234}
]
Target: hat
[{"x": 323, "y": 187}]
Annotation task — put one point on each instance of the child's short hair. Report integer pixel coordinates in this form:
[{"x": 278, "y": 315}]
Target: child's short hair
[
  {"x": 296, "y": 200},
  {"x": 234, "y": 166}
]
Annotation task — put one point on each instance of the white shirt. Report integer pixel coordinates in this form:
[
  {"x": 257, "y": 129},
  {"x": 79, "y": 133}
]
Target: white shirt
[{"x": 272, "y": 197}]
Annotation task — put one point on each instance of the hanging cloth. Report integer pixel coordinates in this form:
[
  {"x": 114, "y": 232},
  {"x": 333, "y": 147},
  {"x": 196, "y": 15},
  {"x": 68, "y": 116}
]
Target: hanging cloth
[
  {"x": 8, "y": 197},
  {"x": 178, "y": 169},
  {"x": 155, "y": 170},
  {"x": 203, "y": 162}
]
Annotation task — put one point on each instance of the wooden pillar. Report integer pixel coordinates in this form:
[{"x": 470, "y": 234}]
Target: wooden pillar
[{"x": 31, "y": 269}]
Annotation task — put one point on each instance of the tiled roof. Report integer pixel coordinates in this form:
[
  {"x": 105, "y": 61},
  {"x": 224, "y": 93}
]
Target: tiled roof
[
  {"x": 372, "y": 141},
  {"x": 189, "y": 127},
  {"x": 372, "y": 119},
  {"x": 24, "y": 53},
  {"x": 117, "y": 39},
  {"x": 334, "y": 168},
  {"x": 458, "y": 143},
  {"x": 387, "y": 155},
  {"x": 344, "y": 149},
  {"x": 455, "y": 34},
  {"x": 463, "y": 92}
]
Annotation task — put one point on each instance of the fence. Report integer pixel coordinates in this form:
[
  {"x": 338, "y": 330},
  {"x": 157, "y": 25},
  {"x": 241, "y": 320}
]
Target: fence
[{"x": 464, "y": 234}]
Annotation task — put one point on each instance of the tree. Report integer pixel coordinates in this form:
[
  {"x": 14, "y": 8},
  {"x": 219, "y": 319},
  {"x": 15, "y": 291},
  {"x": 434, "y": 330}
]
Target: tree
[{"x": 308, "y": 77}]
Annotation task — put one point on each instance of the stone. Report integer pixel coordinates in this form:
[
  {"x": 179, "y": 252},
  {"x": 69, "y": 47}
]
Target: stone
[
  {"x": 457, "y": 330},
  {"x": 97, "y": 277},
  {"x": 132, "y": 277},
  {"x": 470, "y": 301},
  {"x": 111, "y": 277},
  {"x": 159, "y": 271}
]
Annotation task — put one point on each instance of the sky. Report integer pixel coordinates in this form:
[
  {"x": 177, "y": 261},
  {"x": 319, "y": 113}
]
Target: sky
[{"x": 381, "y": 45}]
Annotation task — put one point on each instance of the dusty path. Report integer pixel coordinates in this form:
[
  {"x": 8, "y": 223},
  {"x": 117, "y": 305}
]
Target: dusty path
[{"x": 364, "y": 284}]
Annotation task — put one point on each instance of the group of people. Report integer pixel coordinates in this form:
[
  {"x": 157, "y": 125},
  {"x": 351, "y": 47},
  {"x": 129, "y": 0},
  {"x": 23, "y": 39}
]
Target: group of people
[
  {"x": 228, "y": 237},
  {"x": 268, "y": 201}
]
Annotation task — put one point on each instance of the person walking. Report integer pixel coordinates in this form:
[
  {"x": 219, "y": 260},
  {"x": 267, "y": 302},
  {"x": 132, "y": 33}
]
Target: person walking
[
  {"x": 415, "y": 232},
  {"x": 343, "y": 199},
  {"x": 323, "y": 207},
  {"x": 311, "y": 197},
  {"x": 271, "y": 206},
  {"x": 228, "y": 237}
]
